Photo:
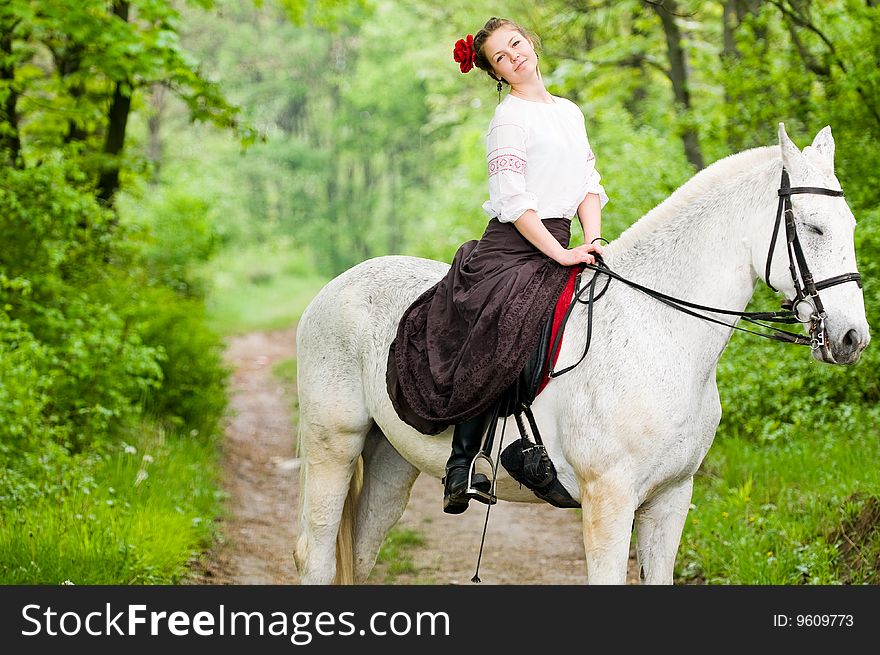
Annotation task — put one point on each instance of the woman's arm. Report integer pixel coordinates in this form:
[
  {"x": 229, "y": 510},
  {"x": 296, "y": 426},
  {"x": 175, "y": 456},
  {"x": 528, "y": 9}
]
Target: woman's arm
[
  {"x": 590, "y": 215},
  {"x": 534, "y": 230}
]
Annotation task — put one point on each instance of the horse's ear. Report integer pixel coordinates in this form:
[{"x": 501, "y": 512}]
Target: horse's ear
[
  {"x": 792, "y": 158},
  {"x": 823, "y": 145}
]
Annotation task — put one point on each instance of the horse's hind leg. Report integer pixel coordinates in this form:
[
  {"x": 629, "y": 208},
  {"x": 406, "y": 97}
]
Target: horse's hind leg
[
  {"x": 659, "y": 523},
  {"x": 388, "y": 480},
  {"x": 331, "y": 440}
]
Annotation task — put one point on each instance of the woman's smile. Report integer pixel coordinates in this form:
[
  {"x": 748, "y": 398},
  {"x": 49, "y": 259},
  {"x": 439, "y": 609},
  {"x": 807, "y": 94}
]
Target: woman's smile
[{"x": 509, "y": 50}]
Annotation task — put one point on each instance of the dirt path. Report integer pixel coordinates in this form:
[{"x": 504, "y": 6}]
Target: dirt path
[{"x": 525, "y": 544}]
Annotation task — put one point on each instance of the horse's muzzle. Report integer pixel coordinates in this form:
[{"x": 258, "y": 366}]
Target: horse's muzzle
[{"x": 844, "y": 346}]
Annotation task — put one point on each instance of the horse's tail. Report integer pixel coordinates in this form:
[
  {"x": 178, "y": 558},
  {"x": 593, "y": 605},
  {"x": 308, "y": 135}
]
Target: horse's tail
[{"x": 345, "y": 535}]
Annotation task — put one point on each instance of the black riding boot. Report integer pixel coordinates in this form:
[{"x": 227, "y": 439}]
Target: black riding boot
[{"x": 465, "y": 446}]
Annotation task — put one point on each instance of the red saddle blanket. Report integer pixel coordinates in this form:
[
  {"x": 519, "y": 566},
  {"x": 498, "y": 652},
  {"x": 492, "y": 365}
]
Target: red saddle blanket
[{"x": 562, "y": 304}]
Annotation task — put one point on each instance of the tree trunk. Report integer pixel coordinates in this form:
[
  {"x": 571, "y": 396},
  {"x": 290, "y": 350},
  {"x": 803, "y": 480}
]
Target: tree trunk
[
  {"x": 734, "y": 12},
  {"x": 395, "y": 238},
  {"x": 10, "y": 141},
  {"x": 68, "y": 60},
  {"x": 154, "y": 125},
  {"x": 634, "y": 103},
  {"x": 334, "y": 192},
  {"x": 803, "y": 20},
  {"x": 370, "y": 193},
  {"x": 120, "y": 107},
  {"x": 679, "y": 76},
  {"x": 730, "y": 22}
]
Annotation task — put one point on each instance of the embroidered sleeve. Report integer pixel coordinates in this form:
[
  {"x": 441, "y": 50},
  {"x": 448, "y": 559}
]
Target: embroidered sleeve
[{"x": 507, "y": 162}]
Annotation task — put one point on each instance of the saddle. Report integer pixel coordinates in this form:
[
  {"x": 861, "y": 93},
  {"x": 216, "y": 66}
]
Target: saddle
[{"x": 525, "y": 460}]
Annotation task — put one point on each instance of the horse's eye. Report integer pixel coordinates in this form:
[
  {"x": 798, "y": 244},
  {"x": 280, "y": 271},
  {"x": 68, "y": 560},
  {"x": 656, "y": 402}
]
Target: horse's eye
[{"x": 813, "y": 229}]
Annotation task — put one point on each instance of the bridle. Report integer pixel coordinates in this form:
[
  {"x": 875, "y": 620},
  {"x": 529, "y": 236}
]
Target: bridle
[
  {"x": 804, "y": 285},
  {"x": 797, "y": 264}
]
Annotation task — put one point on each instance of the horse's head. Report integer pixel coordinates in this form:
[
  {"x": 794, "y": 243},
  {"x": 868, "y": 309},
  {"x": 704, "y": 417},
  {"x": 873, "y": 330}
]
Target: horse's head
[{"x": 824, "y": 226}]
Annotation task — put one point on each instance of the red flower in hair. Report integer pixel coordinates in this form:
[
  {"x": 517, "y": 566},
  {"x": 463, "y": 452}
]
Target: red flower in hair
[{"x": 464, "y": 54}]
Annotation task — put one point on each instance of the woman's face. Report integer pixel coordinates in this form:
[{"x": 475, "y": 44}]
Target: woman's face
[{"x": 511, "y": 54}]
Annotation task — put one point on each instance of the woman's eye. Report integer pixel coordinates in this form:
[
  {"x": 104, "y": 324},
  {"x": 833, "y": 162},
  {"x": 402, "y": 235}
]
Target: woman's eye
[
  {"x": 499, "y": 59},
  {"x": 515, "y": 43}
]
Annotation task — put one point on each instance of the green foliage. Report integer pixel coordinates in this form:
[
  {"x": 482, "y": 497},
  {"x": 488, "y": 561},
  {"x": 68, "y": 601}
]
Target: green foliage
[
  {"x": 23, "y": 392},
  {"x": 263, "y": 287},
  {"x": 192, "y": 396},
  {"x": 94, "y": 375},
  {"x": 345, "y": 170},
  {"x": 135, "y": 514},
  {"x": 102, "y": 324},
  {"x": 620, "y": 141},
  {"x": 177, "y": 234},
  {"x": 91, "y": 372},
  {"x": 91, "y": 49},
  {"x": 796, "y": 509}
]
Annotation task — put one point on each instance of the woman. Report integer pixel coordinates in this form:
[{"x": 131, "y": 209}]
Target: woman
[{"x": 463, "y": 342}]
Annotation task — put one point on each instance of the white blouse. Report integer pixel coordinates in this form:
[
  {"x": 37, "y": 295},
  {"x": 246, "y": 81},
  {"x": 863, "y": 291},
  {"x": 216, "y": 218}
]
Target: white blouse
[{"x": 539, "y": 158}]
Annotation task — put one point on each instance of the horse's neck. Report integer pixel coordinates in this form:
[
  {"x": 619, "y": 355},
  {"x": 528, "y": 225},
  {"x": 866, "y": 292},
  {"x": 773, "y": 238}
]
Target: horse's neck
[{"x": 698, "y": 248}]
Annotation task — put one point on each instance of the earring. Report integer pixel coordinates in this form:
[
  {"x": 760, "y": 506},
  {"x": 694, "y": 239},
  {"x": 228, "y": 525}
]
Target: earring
[{"x": 499, "y": 90}]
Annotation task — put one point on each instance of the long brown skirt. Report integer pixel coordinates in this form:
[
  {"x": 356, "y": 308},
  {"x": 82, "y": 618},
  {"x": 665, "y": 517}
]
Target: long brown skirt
[{"x": 464, "y": 341}]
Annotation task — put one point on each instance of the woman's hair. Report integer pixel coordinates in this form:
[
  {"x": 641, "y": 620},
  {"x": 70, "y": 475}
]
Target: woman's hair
[{"x": 494, "y": 23}]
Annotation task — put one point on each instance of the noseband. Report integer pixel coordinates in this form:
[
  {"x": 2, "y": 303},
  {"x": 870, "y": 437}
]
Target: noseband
[{"x": 797, "y": 264}]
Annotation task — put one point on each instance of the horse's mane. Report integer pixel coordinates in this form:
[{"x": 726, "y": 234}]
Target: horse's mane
[{"x": 682, "y": 199}]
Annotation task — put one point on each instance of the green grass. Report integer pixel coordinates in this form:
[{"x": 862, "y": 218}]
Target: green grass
[
  {"x": 285, "y": 370},
  {"x": 395, "y": 555},
  {"x": 263, "y": 287},
  {"x": 800, "y": 509},
  {"x": 135, "y": 515}
]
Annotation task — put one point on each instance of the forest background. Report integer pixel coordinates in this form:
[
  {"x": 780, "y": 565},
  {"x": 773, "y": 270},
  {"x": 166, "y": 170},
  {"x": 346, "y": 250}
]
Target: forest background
[{"x": 172, "y": 173}]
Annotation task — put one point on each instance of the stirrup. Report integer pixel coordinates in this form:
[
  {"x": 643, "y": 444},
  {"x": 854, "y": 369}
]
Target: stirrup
[{"x": 489, "y": 498}]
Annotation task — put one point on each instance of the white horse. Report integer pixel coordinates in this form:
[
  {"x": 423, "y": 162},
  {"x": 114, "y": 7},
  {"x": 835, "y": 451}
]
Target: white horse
[{"x": 627, "y": 429}]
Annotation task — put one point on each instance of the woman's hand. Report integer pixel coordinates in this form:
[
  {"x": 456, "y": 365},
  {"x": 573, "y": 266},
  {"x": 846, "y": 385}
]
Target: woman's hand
[
  {"x": 534, "y": 230},
  {"x": 580, "y": 255}
]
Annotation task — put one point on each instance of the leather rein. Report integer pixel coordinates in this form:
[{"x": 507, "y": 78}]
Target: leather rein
[{"x": 804, "y": 285}]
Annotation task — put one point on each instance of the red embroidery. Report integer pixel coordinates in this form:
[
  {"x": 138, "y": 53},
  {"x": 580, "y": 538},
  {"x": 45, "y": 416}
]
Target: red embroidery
[
  {"x": 507, "y": 163},
  {"x": 590, "y": 155}
]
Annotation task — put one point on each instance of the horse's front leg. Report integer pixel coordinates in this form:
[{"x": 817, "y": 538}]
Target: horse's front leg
[
  {"x": 608, "y": 504},
  {"x": 659, "y": 523}
]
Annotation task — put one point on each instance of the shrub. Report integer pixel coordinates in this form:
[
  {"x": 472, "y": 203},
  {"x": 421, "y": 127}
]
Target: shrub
[{"x": 192, "y": 393}]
